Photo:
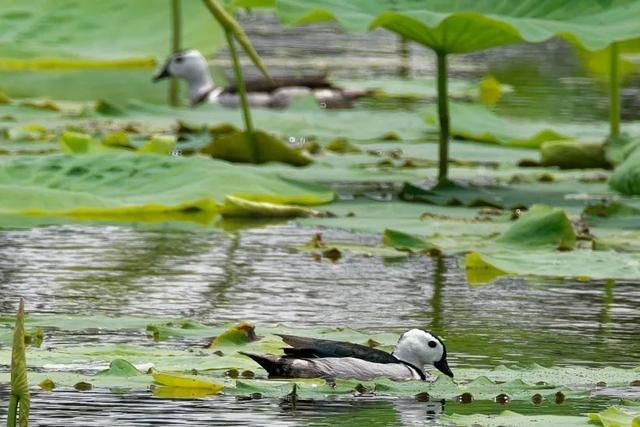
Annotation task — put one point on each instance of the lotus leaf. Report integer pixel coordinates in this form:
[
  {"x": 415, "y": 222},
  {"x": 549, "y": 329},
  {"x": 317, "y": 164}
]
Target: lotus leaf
[
  {"x": 239, "y": 208},
  {"x": 239, "y": 334},
  {"x": 121, "y": 368},
  {"x": 541, "y": 225},
  {"x": 89, "y": 33},
  {"x": 128, "y": 183},
  {"x": 476, "y": 122},
  {"x": 626, "y": 177},
  {"x": 486, "y": 265},
  {"x": 236, "y": 147},
  {"x": 453, "y": 27},
  {"x": 514, "y": 419},
  {"x": 405, "y": 242},
  {"x": 572, "y": 154},
  {"x": 617, "y": 416}
]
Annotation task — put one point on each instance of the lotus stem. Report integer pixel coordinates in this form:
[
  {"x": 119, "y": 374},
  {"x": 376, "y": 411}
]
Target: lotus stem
[
  {"x": 244, "y": 103},
  {"x": 12, "y": 414},
  {"x": 443, "y": 116},
  {"x": 614, "y": 91},
  {"x": 405, "y": 67},
  {"x": 176, "y": 39},
  {"x": 228, "y": 23},
  {"x": 19, "y": 384}
]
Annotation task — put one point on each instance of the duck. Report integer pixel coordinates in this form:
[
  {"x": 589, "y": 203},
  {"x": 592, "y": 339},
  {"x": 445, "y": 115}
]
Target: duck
[
  {"x": 192, "y": 67},
  {"x": 328, "y": 359}
]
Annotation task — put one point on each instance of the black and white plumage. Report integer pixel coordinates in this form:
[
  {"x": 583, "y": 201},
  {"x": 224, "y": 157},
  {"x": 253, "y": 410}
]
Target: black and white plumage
[
  {"x": 317, "y": 358},
  {"x": 191, "y": 66}
]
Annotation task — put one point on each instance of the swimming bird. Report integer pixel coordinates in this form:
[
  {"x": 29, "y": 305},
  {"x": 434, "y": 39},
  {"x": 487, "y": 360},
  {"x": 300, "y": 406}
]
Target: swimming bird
[
  {"x": 319, "y": 358},
  {"x": 191, "y": 66}
]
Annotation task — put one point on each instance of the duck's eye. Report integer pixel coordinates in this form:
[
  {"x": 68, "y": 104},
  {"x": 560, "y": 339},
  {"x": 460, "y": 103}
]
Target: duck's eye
[
  {"x": 179, "y": 59},
  {"x": 433, "y": 344}
]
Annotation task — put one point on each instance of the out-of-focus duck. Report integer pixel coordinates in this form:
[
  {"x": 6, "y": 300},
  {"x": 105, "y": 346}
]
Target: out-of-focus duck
[
  {"x": 318, "y": 358},
  {"x": 191, "y": 66}
]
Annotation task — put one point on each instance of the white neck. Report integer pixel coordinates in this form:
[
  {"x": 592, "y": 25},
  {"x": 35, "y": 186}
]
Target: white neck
[
  {"x": 407, "y": 355},
  {"x": 199, "y": 86}
]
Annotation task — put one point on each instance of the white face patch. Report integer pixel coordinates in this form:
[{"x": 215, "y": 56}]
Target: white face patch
[
  {"x": 419, "y": 348},
  {"x": 189, "y": 65}
]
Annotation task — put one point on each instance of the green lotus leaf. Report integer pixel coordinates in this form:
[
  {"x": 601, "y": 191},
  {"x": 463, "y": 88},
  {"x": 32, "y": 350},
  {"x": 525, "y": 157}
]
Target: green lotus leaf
[
  {"x": 119, "y": 139},
  {"x": 239, "y": 334},
  {"x": 159, "y": 145},
  {"x": 454, "y": 27},
  {"x": 125, "y": 183},
  {"x": 76, "y": 143},
  {"x": 515, "y": 195},
  {"x": 477, "y": 123},
  {"x": 567, "y": 376},
  {"x": 94, "y": 33},
  {"x": 572, "y": 154},
  {"x": 250, "y": 3},
  {"x": 405, "y": 242},
  {"x": 598, "y": 62},
  {"x": 236, "y": 147},
  {"x": 514, "y": 419},
  {"x": 577, "y": 264},
  {"x": 617, "y": 416},
  {"x": 626, "y": 177},
  {"x": 541, "y": 225},
  {"x": 613, "y": 215},
  {"x": 121, "y": 368}
]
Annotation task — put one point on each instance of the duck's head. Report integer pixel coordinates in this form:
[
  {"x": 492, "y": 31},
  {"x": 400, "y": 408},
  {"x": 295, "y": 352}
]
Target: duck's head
[
  {"x": 420, "y": 348},
  {"x": 186, "y": 64},
  {"x": 191, "y": 66}
]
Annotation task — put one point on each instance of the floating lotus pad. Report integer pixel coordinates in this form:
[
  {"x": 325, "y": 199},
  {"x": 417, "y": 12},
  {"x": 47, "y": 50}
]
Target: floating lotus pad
[
  {"x": 487, "y": 265},
  {"x": 626, "y": 177},
  {"x": 618, "y": 416},
  {"x": 477, "y": 123},
  {"x": 540, "y": 226},
  {"x": 572, "y": 154},
  {"x": 514, "y": 419},
  {"x": 127, "y": 183}
]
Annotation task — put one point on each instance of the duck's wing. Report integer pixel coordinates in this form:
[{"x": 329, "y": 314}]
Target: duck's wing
[
  {"x": 304, "y": 347},
  {"x": 332, "y": 368}
]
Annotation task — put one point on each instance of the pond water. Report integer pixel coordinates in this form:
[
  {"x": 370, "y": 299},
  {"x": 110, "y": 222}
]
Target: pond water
[{"x": 256, "y": 275}]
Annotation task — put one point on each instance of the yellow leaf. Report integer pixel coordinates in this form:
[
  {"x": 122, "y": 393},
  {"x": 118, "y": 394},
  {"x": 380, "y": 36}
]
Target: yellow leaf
[
  {"x": 238, "y": 207},
  {"x": 479, "y": 271},
  {"x": 490, "y": 90},
  {"x": 168, "y": 392},
  {"x": 187, "y": 382}
]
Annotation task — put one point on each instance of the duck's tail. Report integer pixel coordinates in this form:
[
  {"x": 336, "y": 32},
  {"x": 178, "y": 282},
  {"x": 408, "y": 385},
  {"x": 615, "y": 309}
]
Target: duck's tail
[{"x": 275, "y": 366}]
